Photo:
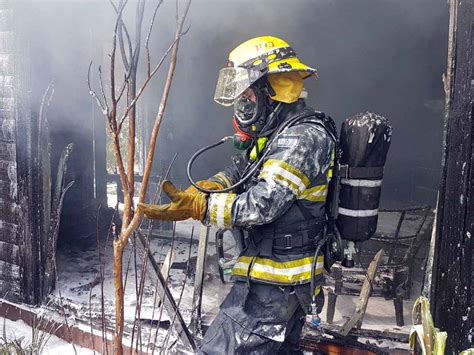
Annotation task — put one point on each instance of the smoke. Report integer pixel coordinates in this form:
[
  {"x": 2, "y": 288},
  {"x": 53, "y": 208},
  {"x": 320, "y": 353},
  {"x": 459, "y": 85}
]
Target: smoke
[{"x": 383, "y": 56}]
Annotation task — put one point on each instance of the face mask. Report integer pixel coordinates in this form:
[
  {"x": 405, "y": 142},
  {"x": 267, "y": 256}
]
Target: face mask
[
  {"x": 245, "y": 111},
  {"x": 250, "y": 110}
]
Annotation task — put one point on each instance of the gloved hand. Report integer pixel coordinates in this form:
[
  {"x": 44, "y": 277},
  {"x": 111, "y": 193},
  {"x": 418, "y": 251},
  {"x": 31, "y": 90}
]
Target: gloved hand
[
  {"x": 207, "y": 184},
  {"x": 183, "y": 205}
]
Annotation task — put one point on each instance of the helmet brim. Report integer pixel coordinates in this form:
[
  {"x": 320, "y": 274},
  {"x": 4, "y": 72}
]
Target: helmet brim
[{"x": 292, "y": 65}]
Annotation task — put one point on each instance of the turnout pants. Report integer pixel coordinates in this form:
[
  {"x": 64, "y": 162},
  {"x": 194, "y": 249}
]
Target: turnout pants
[{"x": 258, "y": 318}]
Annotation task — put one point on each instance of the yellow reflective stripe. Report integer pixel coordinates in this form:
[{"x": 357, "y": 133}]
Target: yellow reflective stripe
[
  {"x": 330, "y": 173},
  {"x": 333, "y": 155},
  {"x": 240, "y": 271},
  {"x": 224, "y": 179},
  {"x": 220, "y": 207},
  {"x": 290, "y": 168},
  {"x": 261, "y": 142},
  {"x": 281, "y": 179},
  {"x": 281, "y": 171},
  {"x": 316, "y": 193},
  {"x": 317, "y": 290},
  {"x": 228, "y": 209},
  {"x": 212, "y": 208},
  {"x": 287, "y": 272}
]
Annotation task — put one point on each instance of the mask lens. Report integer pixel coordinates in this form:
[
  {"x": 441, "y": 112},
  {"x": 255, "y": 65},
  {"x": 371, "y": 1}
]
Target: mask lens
[
  {"x": 245, "y": 110},
  {"x": 232, "y": 82}
]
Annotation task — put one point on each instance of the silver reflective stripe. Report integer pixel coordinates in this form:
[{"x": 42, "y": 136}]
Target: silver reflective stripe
[
  {"x": 361, "y": 183},
  {"x": 357, "y": 213}
]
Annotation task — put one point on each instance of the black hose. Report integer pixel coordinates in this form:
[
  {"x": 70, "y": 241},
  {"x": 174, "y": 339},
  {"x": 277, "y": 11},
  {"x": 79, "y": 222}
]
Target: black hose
[
  {"x": 202, "y": 189},
  {"x": 252, "y": 170},
  {"x": 313, "y": 266}
]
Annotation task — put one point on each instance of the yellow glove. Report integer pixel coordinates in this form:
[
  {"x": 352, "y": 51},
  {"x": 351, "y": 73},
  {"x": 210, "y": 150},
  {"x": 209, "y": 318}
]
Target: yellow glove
[
  {"x": 207, "y": 184},
  {"x": 183, "y": 205}
]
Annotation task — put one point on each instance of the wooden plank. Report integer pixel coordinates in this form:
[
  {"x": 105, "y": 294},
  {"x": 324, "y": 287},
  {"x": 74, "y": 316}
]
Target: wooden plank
[
  {"x": 196, "y": 320},
  {"x": 359, "y": 313},
  {"x": 451, "y": 297},
  {"x": 365, "y": 333}
]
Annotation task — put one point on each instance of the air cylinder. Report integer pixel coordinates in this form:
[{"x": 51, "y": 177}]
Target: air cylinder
[{"x": 364, "y": 143}]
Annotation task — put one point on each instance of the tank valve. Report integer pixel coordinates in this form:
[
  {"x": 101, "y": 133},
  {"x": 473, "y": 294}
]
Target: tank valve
[
  {"x": 313, "y": 318},
  {"x": 348, "y": 255}
]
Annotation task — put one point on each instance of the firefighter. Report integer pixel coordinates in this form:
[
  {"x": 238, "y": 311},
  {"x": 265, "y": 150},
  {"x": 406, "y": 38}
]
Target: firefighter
[{"x": 280, "y": 208}]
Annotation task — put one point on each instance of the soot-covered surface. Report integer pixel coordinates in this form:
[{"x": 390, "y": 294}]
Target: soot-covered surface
[{"x": 80, "y": 286}]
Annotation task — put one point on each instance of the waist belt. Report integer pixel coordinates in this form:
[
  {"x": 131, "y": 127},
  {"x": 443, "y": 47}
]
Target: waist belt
[
  {"x": 268, "y": 237},
  {"x": 289, "y": 241}
]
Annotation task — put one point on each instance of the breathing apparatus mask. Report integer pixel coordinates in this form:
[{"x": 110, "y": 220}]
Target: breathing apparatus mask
[{"x": 254, "y": 114}]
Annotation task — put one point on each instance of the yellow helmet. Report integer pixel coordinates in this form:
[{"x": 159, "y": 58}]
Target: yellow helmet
[{"x": 253, "y": 59}]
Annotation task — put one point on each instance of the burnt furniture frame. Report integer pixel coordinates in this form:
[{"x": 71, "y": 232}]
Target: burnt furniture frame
[{"x": 394, "y": 276}]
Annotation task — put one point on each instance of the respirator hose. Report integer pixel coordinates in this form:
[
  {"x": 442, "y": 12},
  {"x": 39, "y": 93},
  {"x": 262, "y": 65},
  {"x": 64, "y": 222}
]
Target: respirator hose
[
  {"x": 248, "y": 174},
  {"x": 227, "y": 189}
]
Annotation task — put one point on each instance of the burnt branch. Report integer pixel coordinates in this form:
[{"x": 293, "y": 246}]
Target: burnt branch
[
  {"x": 94, "y": 94},
  {"x": 101, "y": 85},
  {"x": 46, "y": 100}
]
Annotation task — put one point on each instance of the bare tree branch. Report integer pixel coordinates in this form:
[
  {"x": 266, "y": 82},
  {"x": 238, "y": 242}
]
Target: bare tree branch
[
  {"x": 122, "y": 89},
  {"x": 164, "y": 100},
  {"x": 147, "y": 80},
  {"x": 122, "y": 29},
  {"x": 138, "y": 29},
  {"x": 147, "y": 41},
  {"x": 131, "y": 221}
]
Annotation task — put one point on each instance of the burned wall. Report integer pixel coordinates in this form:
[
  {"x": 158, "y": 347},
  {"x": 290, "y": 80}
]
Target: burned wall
[{"x": 18, "y": 168}]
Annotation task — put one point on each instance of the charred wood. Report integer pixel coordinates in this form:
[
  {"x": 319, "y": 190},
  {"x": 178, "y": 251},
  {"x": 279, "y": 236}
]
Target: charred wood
[
  {"x": 452, "y": 281},
  {"x": 56, "y": 208}
]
